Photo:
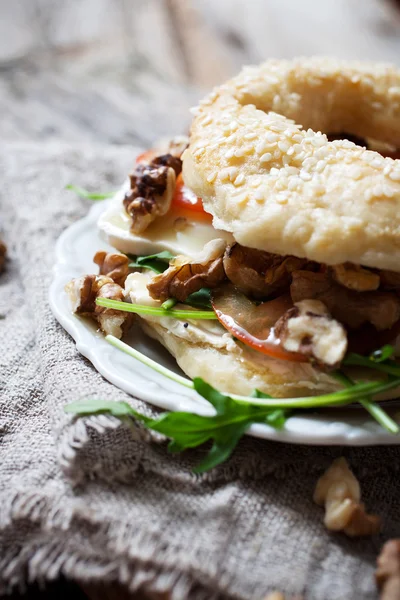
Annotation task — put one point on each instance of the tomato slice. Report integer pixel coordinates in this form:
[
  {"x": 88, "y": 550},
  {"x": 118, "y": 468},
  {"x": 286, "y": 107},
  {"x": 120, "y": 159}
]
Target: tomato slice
[
  {"x": 187, "y": 204},
  {"x": 251, "y": 324}
]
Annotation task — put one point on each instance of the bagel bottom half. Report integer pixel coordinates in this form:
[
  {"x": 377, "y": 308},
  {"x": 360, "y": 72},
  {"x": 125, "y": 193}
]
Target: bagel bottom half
[
  {"x": 206, "y": 349},
  {"x": 236, "y": 370},
  {"x": 240, "y": 371}
]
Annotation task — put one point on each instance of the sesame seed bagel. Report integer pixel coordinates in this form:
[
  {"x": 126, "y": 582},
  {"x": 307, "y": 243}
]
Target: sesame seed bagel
[{"x": 267, "y": 174}]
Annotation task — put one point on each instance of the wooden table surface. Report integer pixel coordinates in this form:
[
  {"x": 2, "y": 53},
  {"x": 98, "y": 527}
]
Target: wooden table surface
[{"x": 126, "y": 71}]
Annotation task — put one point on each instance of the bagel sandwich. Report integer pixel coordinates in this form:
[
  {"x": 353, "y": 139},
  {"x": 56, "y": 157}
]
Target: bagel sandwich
[{"x": 281, "y": 212}]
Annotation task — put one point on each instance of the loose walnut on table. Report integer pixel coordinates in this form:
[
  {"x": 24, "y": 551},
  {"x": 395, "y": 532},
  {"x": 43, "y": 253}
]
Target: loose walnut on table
[
  {"x": 387, "y": 573},
  {"x": 339, "y": 491}
]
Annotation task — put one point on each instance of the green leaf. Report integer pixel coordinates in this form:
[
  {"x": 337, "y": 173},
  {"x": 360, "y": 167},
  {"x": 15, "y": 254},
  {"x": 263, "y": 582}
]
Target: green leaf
[
  {"x": 82, "y": 193},
  {"x": 156, "y": 311},
  {"x": 201, "y": 298},
  {"x": 222, "y": 447},
  {"x": 164, "y": 256},
  {"x": 168, "y": 304},
  {"x": 156, "y": 262},
  {"x": 390, "y": 367},
  {"x": 189, "y": 430},
  {"x": 277, "y": 418},
  {"x": 259, "y": 394},
  {"x": 382, "y": 354},
  {"x": 92, "y": 406},
  {"x": 219, "y": 401}
]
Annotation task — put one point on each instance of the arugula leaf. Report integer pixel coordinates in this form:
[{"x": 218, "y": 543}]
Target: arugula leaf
[
  {"x": 259, "y": 394},
  {"x": 168, "y": 304},
  {"x": 234, "y": 415},
  {"x": 201, "y": 298},
  {"x": 189, "y": 430},
  {"x": 143, "y": 309},
  {"x": 82, "y": 193},
  {"x": 164, "y": 256},
  {"x": 156, "y": 262},
  {"x": 276, "y": 418}
]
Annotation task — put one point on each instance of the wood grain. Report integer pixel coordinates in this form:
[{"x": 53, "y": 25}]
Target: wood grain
[{"x": 127, "y": 71}]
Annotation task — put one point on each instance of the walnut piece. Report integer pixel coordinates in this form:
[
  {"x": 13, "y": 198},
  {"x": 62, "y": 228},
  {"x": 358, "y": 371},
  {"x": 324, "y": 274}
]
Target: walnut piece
[
  {"x": 387, "y": 573},
  {"x": 83, "y": 292},
  {"x": 186, "y": 276},
  {"x": 153, "y": 185},
  {"x": 112, "y": 264},
  {"x": 3, "y": 254},
  {"x": 181, "y": 281},
  {"x": 355, "y": 277},
  {"x": 260, "y": 274},
  {"x": 152, "y": 189},
  {"x": 381, "y": 309},
  {"x": 309, "y": 329},
  {"x": 339, "y": 491}
]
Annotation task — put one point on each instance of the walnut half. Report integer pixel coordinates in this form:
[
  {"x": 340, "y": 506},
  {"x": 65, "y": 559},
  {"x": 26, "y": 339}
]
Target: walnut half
[
  {"x": 387, "y": 573},
  {"x": 152, "y": 190},
  {"x": 83, "y": 292},
  {"x": 339, "y": 491},
  {"x": 186, "y": 276},
  {"x": 355, "y": 277},
  {"x": 309, "y": 329},
  {"x": 112, "y": 264}
]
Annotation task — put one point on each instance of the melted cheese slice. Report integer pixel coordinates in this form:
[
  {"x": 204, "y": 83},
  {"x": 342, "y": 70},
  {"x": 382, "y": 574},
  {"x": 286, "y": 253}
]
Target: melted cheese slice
[{"x": 187, "y": 237}]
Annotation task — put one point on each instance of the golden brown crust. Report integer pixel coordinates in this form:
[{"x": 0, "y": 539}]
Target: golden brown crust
[{"x": 282, "y": 187}]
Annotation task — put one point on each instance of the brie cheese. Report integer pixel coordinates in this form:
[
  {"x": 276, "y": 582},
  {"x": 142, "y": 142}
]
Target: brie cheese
[{"x": 170, "y": 232}]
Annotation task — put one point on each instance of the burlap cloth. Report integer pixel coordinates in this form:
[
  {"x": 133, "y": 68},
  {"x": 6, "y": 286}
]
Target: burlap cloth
[{"x": 93, "y": 502}]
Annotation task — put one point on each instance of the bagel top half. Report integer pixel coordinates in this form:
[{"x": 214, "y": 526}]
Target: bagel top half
[{"x": 267, "y": 174}]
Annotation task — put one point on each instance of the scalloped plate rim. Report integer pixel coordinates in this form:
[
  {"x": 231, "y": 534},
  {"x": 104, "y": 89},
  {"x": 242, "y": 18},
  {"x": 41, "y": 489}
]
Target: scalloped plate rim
[{"x": 164, "y": 393}]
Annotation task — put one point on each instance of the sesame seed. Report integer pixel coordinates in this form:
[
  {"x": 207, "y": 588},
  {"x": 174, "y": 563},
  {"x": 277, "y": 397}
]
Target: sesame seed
[
  {"x": 388, "y": 191},
  {"x": 377, "y": 162},
  {"x": 284, "y": 145},
  {"x": 271, "y": 137},
  {"x": 259, "y": 195},
  {"x": 250, "y": 136},
  {"x": 243, "y": 198},
  {"x": 224, "y": 174},
  {"x": 261, "y": 147},
  {"x": 305, "y": 176},
  {"x": 206, "y": 120},
  {"x": 239, "y": 179},
  {"x": 282, "y": 198},
  {"x": 212, "y": 176},
  {"x": 266, "y": 157},
  {"x": 232, "y": 173}
]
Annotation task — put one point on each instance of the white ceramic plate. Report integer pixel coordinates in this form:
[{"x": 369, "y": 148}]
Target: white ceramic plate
[{"x": 74, "y": 251}]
